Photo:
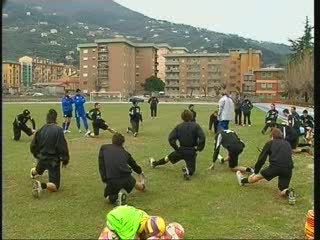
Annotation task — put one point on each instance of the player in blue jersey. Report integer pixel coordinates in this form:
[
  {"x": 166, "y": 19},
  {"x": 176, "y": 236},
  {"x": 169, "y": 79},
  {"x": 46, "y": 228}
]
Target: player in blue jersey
[
  {"x": 67, "y": 108},
  {"x": 79, "y": 102}
]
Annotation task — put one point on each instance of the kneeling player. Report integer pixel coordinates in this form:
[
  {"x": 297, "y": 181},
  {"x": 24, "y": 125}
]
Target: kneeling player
[
  {"x": 191, "y": 139},
  {"x": 50, "y": 147},
  {"x": 230, "y": 141},
  {"x": 281, "y": 165},
  {"x": 19, "y": 124},
  {"x": 97, "y": 122},
  {"x": 291, "y": 136},
  {"x": 115, "y": 165},
  {"x": 132, "y": 223},
  {"x": 308, "y": 124}
]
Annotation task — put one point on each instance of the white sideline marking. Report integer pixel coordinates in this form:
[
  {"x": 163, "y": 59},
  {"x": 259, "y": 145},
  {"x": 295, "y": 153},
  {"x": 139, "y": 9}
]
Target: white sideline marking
[{"x": 178, "y": 103}]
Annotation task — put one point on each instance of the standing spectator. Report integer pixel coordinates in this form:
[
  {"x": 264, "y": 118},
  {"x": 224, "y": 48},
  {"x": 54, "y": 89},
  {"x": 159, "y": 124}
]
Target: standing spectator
[
  {"x": 194, "y": 114},
  {"x": 225, "y": 111},
  {"x": 271, "y": 118},
  {"x": 79, "y": 102},
  {"x": 19, "y": 124},
  {"x": 213, "y": 121},
  {"x": 153, "y": 101},
  {"x": 237, "y": 110},
  {"x": 50, "y": 148},
  {"x": 246, "y": 108}
]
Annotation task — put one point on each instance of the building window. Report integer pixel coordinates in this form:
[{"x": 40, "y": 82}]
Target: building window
[
  {"x": 263, "y": 85},
  {"x": 85, "y": 83},
  {"x": 94, "y": 58},
  {"x": 94, "y": 50},
  {"x": 85, "y": 75},
  {"x": 266, "y": 75},
  {"x": 94, "y": 66},
  {"x": 85, "y": 59},
  {"x": 269, "y": 86},
  {"x": 269, "y": 96},
  {"x": 85, "y": 66},
  {"x": 85, "y": 51}
]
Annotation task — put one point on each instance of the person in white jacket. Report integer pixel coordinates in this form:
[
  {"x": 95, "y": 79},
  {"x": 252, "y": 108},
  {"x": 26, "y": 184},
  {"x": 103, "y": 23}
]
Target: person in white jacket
[{"x": 225, "y": 111}]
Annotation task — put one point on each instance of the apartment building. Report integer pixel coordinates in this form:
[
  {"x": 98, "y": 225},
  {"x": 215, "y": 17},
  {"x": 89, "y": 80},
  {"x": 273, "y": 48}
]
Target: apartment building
[
  {"x": 164, "y": 49},
  {"x": 196, "y": 74},
  {"x": 208, "y": 73},
  {"x": 40, "y": 70},
  {"x": 116, "y": 65},
  {"x": 11, "y": 76},
  {"x": 269, "y": 83},
  {"x": 26, "y": 71}
]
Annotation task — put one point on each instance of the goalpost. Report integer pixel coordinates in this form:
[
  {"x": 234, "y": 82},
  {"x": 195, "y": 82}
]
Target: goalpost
[{"x": 114, "y": 96}]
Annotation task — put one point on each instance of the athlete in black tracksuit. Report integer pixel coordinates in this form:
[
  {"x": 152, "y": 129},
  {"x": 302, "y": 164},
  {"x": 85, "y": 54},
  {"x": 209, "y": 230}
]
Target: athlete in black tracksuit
[
  {"x": 191, "y": 139},
  {"x": 97, "y": 122},
  {"x": 115, "y": 165},
  {"x": 281, "y": 164},
  {"x": 135, "y": 118},
  {"x": 271, "y": 118},
  {"x": 19, "y": 124},
  {"x": 153, "y": 101},
  {"x": 291, "y": 136},
  {"x": 194, "y": 114},
  {"x": 230, "y": 141},
  {"x": 50, "y": 148},
  {"x": 307, "y": 123}
]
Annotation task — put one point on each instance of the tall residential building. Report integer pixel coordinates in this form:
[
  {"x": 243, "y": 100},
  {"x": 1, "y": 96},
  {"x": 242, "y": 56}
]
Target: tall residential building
[
  {"x": 26, "y": 71},
  {"x": 269, "y": 83},
  {"x": 208, "y": 73},
  {"x": 11, "y": 75},
  {"x": 116, "y": 65},
  {"x": 196, "y": 74},
  {"x": 164, "y": 49}
]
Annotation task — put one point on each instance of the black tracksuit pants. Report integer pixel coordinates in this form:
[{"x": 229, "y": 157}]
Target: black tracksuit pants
[
  {"x": 238, "y": 116},
  {"x": 247, "y": 115},
  {"x": 153, "y": 111},
  {"x": 17, "y": 131}
]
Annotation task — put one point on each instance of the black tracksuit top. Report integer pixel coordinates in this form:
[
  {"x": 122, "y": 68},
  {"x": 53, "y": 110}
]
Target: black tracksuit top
[
  {"x": 153, "y": 102},
  {"x": 94, "y": 115},
  {"x": 21, "y": 119},
  {"x": 189, "y": 135},
  {"x": 115, "y": 163},
  {"x": 272, "y": 115},
  {"x": 280, "y": 155},
  {"x": 49, "y": 144}
]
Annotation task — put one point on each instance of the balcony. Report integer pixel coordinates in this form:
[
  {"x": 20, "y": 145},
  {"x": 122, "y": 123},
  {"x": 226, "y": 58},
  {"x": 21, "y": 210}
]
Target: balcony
[
  {"x": 193, "y": 70},
  {"x": 172, "y": 63},
  {"x": 103, "y": 50},
  {"x": 102, "y": 59},
  {"x": 172, "y": 70}
]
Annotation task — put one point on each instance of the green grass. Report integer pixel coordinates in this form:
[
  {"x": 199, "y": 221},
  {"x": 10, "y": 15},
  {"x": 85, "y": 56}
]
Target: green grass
[{"x": 211, "y": 205}]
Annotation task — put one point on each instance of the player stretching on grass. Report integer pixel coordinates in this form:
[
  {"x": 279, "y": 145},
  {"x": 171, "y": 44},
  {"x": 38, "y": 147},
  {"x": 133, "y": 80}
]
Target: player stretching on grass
[
  {"x": 191, "y": 140},
  {"x": 79, "y": 102},
  {"x": 230, "y": 141},
  {"x": 19, "y": 124},
  {"x": 115, "y": 165},
  {"x": 66, "y": 103},
  {"x": 97, "y": 122},
  {"x": 50, "y": 148},
  {"x": 132, "y": 223},
  {"x": 271, "y": 118},
  {"x": 280, "y": 157}
]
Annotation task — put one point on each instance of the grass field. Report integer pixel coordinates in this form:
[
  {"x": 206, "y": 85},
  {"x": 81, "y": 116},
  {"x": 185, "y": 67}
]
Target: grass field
[{"x": 211, "y": 205}]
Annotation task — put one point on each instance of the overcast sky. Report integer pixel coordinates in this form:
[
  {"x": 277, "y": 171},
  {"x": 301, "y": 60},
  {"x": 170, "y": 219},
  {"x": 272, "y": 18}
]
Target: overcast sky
[{"x": 263, "y": 20}]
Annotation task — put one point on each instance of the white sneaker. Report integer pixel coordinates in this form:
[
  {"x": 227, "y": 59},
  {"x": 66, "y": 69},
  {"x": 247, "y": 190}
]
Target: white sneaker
[
  {"x": 128, "y": 130},
  {"x": 68, "y": 131},
  {"x": 122, "y": 197},
  {"x": 31, "y": 173},
  {"x": 151, "y": 161},
  {"x": 36, "y": 189},
  {"x": 64, "y": 131},
  {"x": 239, "y": 178},
  {"x": 80, "y": 131},
  {"x": 87, "y": 133}
]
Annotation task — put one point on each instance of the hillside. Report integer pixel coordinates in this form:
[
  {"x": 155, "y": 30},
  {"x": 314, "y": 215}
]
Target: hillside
[{"x": 80, "y": 21}]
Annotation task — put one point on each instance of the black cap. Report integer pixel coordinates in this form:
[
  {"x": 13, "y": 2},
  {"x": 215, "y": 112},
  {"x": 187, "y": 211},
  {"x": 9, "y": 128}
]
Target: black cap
[
  {"x": 286, "y": 111},
  {"x": 305, "y": 111},
  {"x": 26, "y": 112}
]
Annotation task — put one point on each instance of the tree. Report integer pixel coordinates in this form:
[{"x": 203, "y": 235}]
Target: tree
[
  {"x": 299, "y": 68},
  {"x": 153, "y": 84}
]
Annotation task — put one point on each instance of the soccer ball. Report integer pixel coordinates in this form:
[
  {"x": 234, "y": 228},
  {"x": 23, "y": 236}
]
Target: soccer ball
[
  {"x": 107, "y": 234},
  {"x": 155, "y": 226},
  {"x": 173, "y": 231}
]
